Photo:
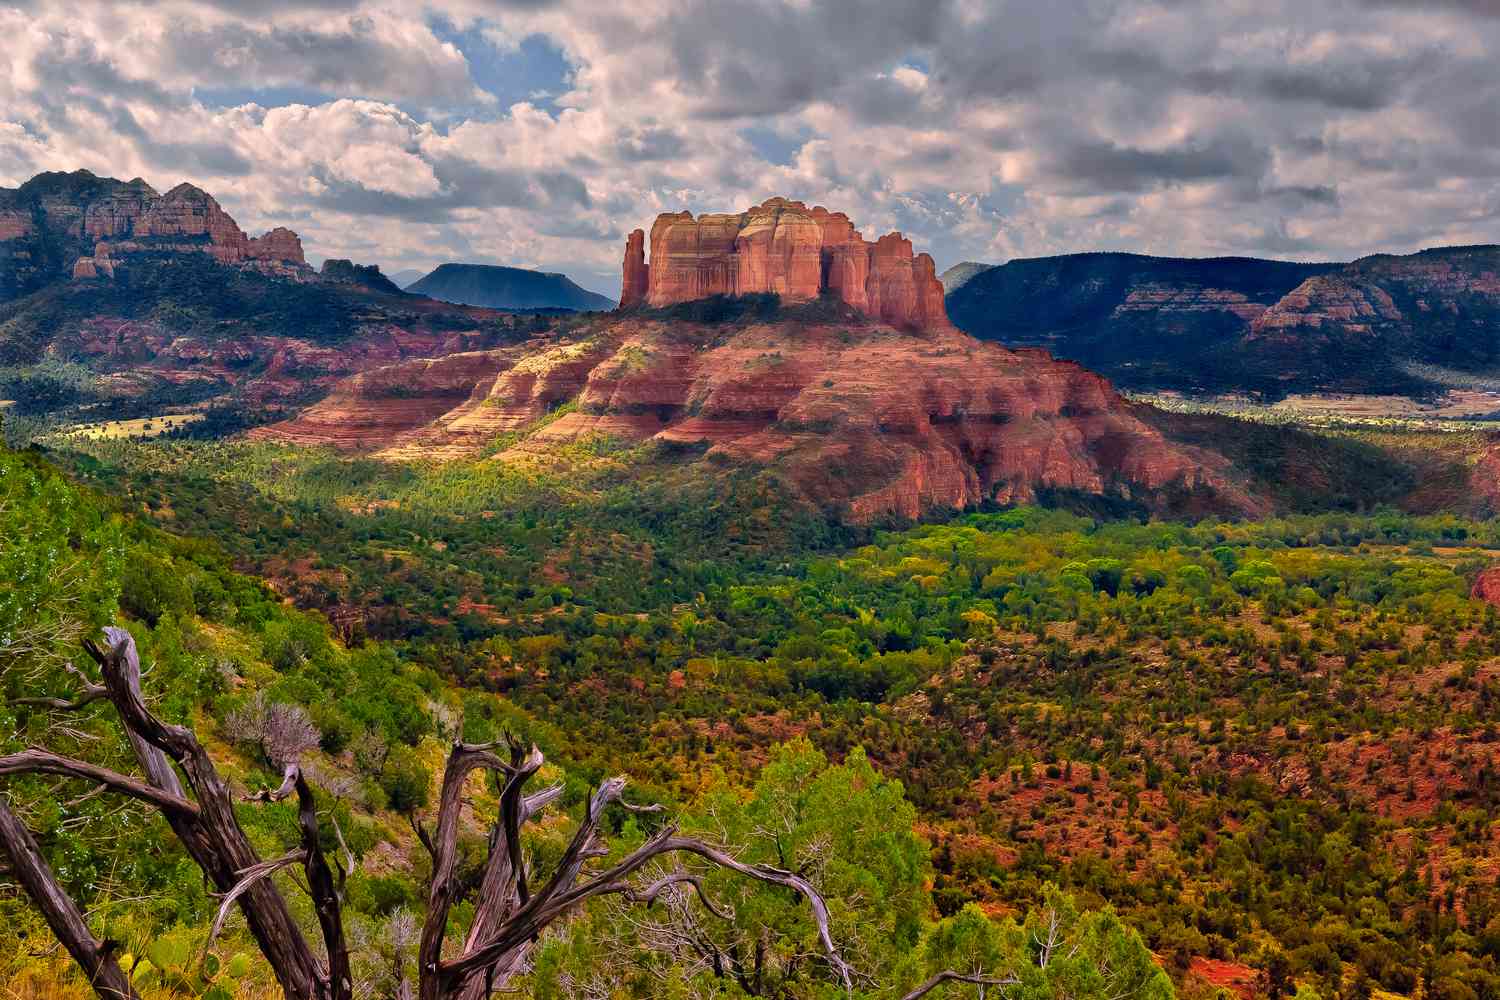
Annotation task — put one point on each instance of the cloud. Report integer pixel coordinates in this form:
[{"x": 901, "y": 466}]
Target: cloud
[
  {"x": 1107, "y": 166},
  {"x": 981, "y": 128},
  {"x": 370, "y": 54}
]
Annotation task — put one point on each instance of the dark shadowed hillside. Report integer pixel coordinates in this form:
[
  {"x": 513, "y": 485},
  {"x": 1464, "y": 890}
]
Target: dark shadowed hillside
[
  {"x": 1156, "y": 322},
  {"x": 508, "y": 288},
  {"x": 1242, "y": 324}
]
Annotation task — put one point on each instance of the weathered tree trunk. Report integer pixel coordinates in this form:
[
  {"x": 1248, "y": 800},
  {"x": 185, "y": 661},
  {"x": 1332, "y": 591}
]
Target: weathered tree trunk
[
  {"x": 509, "y": 915},
  {"x": 213, "y": 839},
  {"x": 58, "y": 909}
]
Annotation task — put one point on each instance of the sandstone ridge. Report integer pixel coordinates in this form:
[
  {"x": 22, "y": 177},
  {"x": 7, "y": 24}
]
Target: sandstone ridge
[
  {"x": 873, "y": 422},
  {"x": 58, "y": 226},
  {"x": 785, "y": 248}
]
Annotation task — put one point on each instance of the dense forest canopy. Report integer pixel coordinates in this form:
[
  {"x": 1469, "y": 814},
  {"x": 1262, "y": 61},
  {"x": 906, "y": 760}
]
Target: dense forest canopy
[
  {"x": 258, "y": 680},
  {"x": 1263, "y": 744}
]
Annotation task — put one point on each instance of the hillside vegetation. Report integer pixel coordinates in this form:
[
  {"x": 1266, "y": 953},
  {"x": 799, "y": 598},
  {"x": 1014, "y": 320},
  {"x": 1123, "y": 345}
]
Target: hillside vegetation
[
  {"x": 224, "y": 656},
  {"x": 1265, "y": 743}
]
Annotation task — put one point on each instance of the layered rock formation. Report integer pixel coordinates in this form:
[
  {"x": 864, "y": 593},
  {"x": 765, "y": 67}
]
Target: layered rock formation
[
  {"x": 1330, "y": 304},
  {"x": 375, "y": 407},
  {"x": 60, "y": 226},
  {"x": 149, "y": 289},
  {"x": 785, "y": 248},
  {"x": 880, "y": 423},
  {"x": 1487, "y": 586},
  {"x": 266, "y": 369},
  {"x": 1234, "y": 324}
]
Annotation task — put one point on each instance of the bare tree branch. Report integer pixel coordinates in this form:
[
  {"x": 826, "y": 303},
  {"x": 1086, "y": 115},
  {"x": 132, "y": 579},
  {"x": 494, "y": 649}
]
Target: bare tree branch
[
  {"x": 648, "y": 894},
  {"x": 509, "y": 915},
  {"x": 503, "y": 887},
  {"x": 558, "y": 898},
  {"x": 90, "y": 693},
  {"x": 36, "y": 761},
  {"x": 948, "y": 975},
  {"x": 250, "y": 875},
  {"x": 213, "y": 838},
  {"x": 94, "y": 957},
  {"x": 462, "y": 761},
  {"x": 325, "y": 893},
  {"x": 290, "y": 775}
]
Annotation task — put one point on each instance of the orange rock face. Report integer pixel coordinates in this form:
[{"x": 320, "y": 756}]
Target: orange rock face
[
  {"x": 61, "y": 225},
  {"x": 870, "y": 421},
  {"x": 187, "y": 218},
  {"x": 1330, "y": 300},
  {"x": 1487, "y": 586},
  {"x": 378, "y": 406},
  {"x": 637, "y": 281},
  {"x": 785, "y": 248}
]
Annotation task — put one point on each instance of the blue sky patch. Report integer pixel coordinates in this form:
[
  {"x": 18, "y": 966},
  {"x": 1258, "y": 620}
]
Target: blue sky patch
[{"x": 535, "y": 71}]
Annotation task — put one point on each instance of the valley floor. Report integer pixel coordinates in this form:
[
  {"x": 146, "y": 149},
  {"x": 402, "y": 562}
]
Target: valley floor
[{"x": 1270, "y": 745}]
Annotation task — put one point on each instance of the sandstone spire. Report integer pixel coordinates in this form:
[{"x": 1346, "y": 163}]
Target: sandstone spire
[
  {"x": 784, "y": 247},
  {"x": 637, "y": 274}
]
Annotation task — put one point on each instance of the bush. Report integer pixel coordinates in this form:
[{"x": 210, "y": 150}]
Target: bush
[
  {"x": 406, "y": 781},
  {"x": 150, "y": 587}
]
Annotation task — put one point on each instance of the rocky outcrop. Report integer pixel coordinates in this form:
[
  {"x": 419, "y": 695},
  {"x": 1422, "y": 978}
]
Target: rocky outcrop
[
  {"x": 1487, "y": 586},
  {"x": 1237, "y": 324},
  {"x": 1327, "y": 304},
  {"x": 58, "y": 226},
  {"x": 637, "y": 280},
  {"x": 87, "y": 268},
  {"x": 345, "y": 272},
  {"x": 379, "y": 406},
  {"x": 784, "y": 248},
  {"x": 1183, "y": 302},
  {"x": 873, "y": 422},
  {"x": 188, "y": 219}
]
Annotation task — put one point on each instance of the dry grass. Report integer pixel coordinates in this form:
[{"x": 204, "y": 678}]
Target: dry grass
[{"x": 142, "y": 427}]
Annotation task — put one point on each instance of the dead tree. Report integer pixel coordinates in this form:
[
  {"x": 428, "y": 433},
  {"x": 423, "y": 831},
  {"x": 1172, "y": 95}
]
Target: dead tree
[
  {"x": 511, "y": 911},
  {"x": 94, "y": 957}
]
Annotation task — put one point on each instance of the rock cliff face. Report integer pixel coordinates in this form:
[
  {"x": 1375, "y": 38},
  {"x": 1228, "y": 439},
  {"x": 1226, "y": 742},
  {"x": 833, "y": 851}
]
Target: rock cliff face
[
  {"x": 59, "y": 226},
  {"x": 164, "y": 296},
  {"x": 872, "y": 421},
  {"x": 785, "y": 248},
  {"x": 637, "y": 279},
  {"x": 1487, "y": 586},
  {"x": 376, "y": 407},
  {"x": 1235, "y": 324}
]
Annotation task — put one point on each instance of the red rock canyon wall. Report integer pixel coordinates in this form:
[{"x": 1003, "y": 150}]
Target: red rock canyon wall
[{"x": 786, "y": 248}]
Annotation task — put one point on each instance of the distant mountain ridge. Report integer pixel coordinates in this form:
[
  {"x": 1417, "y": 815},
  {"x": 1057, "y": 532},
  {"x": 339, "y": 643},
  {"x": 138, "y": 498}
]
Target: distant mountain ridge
[
  {"x": 497, "y": 287},
  {"x": 959, "y": 274},
  {"x": 1244, "y": 324},
  {"x": 158, "y": 300}
]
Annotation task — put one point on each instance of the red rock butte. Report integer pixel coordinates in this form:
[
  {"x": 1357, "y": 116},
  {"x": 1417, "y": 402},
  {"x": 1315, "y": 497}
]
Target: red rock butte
[
  {"x": 783, "y": 247},
  {"x": 186, "y": 219}
]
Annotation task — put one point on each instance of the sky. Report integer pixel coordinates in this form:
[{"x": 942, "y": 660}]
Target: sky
[{"x": 537, "y": 133}]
